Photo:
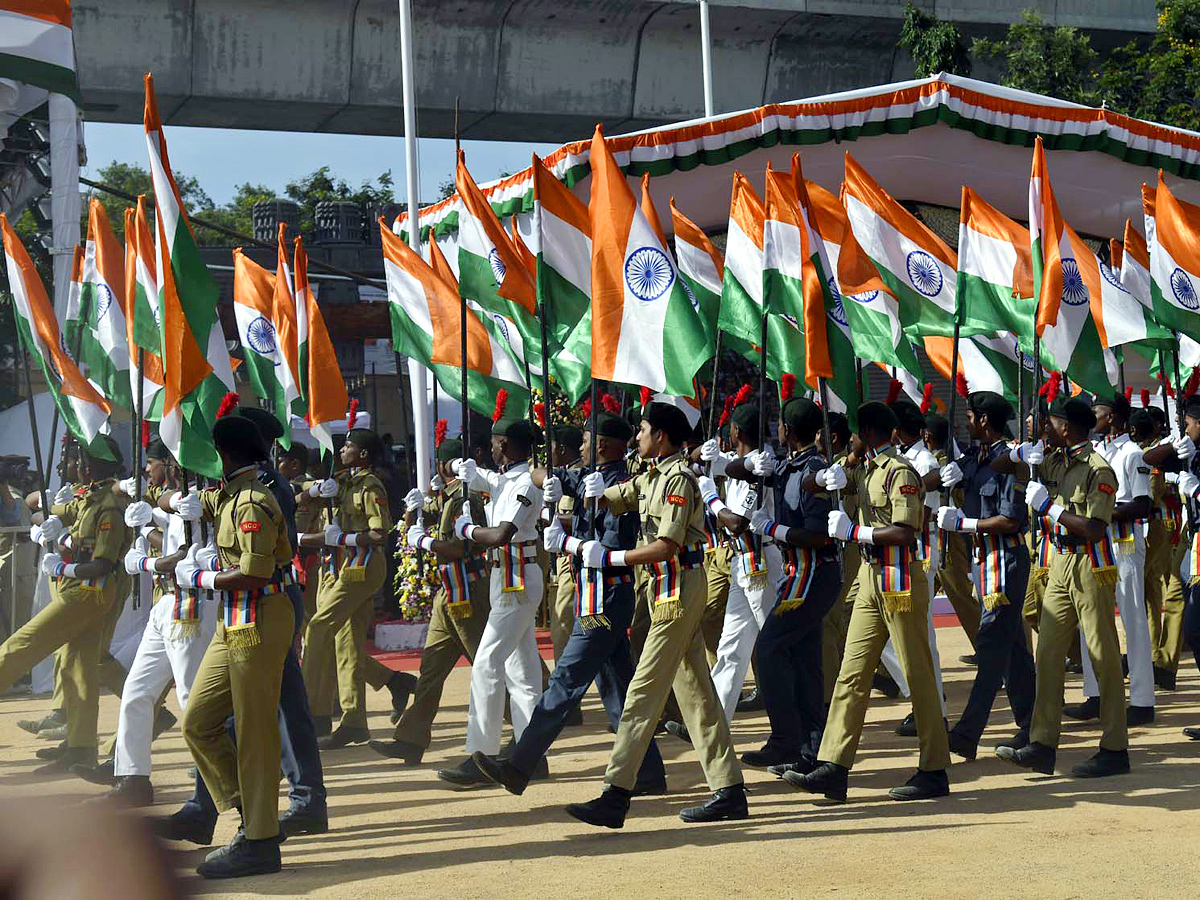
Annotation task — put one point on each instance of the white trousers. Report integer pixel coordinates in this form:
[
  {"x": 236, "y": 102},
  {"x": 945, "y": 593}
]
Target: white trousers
[
  {"x": 157, "y": 661},
  {"x": 745, "y": 612},
  {"x": 891, "y": 661},
  {"x": 507, "y": 658},
  {"x": 1131, "y": 601}
]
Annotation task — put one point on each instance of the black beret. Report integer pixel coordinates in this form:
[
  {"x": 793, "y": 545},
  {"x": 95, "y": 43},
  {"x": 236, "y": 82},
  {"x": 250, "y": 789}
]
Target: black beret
[
  {"x": 297, "y": 452},
  {"x": 450, "y": 449},
  {"x": 1158, "y": 414},
  {"x": 480, "y": 430},
  {"x": 993, "y": 405},
  {"x": 271, "y": 427},
  {"x": 633, "y": 416},
  {"x": 839, "y": 425},
  {"x": 670, "y": 419},
  {"x": 746, "y": 418},
  {"x": 366, "y": 439},
  {"x": 568, "y": 436},
  {"x": 801, "y": 415},
  {"x": 1141, "y": 420},
  {"x": 1191, "y": 406},
  {"x": 608, "y": 425},
  {"x": 1116, "y": 402},
  {"x": 519, "y": 430},
  {"x": 908, "y": 415},
  {"x": 1075, "y": 410},
  {"x": 156, "y": 449},
  {"x": 877, "y": 416},
  {"x": 237, "y": 434},
  {"x": 109, "y": 443}
]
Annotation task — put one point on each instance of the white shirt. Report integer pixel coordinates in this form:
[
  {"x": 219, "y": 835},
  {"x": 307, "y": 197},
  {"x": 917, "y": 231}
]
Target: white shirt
[
  {"x": 1126, "y": 459},
  {"x": 514, "y": 498},
  {"x": 924, "y": 462}
]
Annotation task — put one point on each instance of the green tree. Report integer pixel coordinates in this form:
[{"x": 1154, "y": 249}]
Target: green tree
[
  {"x": 936, "y": 46},
  {"x": 134, "y": 180},
  {"x": 320, "y": 186},
  {"x": 1159, "y": 79},
  {"x": 237, "y": 214},
  {"x": 1055, "y": 61}
]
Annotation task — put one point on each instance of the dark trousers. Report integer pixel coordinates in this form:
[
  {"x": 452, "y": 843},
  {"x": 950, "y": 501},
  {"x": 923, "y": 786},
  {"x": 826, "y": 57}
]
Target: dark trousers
[
  {"x": 598, "y": 654},
  {"x": 790, "y": 677},
  {"x": 1191, "y": 620},
  {"x": 300, "y": 759},
  {"x": 1002, "y": 656}
]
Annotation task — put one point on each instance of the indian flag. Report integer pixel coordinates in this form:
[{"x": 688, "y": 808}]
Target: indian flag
[
  {"x": 701, "y": 268},
  {"x": 741, "y": 307},
  {"x": 917, "y": 266},
  {"x": 988, "y": 362},
  {"x": 83, "y": 409},
  {"x": 1175, "y": 262},
  {"x": 645, "y": 330},
  {"x": 36, "y": 45},
  {"x": 995, "y": 272},
  {"x": 325, "y": 387},
  {"x": 426, "y": 325},
  {"x": 197, "y": 369},
  {"x": 102, "y": 339},
  {"x": 564, "y": 253},
  {"x": 1134, "y": 264},
  {"x": 139, "y": 271},
  {"x": 305, "y": 301},
  {"x": 265, "y": 364},
  {"x": 284, "y": 312}
]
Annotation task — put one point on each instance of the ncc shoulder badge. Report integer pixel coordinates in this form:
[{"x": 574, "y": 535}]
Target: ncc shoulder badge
[
  {"x": 248, "y": 527},
  {"x": 523, "y": 500},
  {"x": 908, "y": 490},
  {"x": 676, "y": 500},
  {"x": 1106, "y": 488}
]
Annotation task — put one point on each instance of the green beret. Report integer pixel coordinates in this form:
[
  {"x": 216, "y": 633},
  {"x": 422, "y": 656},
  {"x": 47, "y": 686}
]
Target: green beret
[
  {"x": 568, "y": 436},
  {"x": 450, "y": 449},
  {"x": 114, "y": 450},
  {"x": 519, "y": 430},
  {"x": 368, "y": 440},
  {"x": 608, "y": 425},
  {"x": 268, "y": 424},
  {"x": 908, "y": 415},
  {"x": 746, "y": 418},
  {"x": 1117, "y": 403},
  {"x": 237, "y": 434},
  {"x": 801, "y": 415},
  {"x": 993, "y": 405},
  {"x": 1075, "y": 410},
  {"x": 877, "y": 416}
]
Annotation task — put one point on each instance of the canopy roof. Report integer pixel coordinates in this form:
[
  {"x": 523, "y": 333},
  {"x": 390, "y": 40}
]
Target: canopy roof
[{"x": 921, "y": 140}]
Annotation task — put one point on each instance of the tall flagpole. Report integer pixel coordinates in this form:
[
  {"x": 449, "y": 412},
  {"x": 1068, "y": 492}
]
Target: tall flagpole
[
  {"x": 37, "y": 441},
  {"x": 416, "y": 372},
  {"x": 139, "y": 408},
  {"x": 706, "y": 58},
  {"x": 462, "y": 315}
]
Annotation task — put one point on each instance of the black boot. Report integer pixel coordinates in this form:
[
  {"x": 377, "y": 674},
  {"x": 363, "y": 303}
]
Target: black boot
[
  {"x": 1033, "y": 755},
  {"x": 72, "y": 756},
  {"x": 828, "y": 779},
  {"x": 606, "y": 811},
  {"x": 727, "y": 803},
  {"x": 1016, "y": 742},
  {"x": 1138, "y": 715},
  {"x": 55, "y": 752},
  {"x": 240, "y": 858},
  {"x": 130, "y": 792},
  {"x": 650, "y": 788},
  {"x": 53, "y": 719},
  {"x": 101, "y": 774},
  {"x": 1105, "y": 762},
  {"x": 502, "y": 772},
  {"x": 1088, "y": 709},
  {"x": 400, "y": 686},
  {"x": 886, "y": 685},
  {"x": 923, "y": 786},
  {"x": 1164, "y": 679},
  {"x": 303, "y": 821},
  {"x": 183, "y": 827},
  {"x": 323, "y": 725},
  {"x": 751, "y": 702},
  {"x": 679, "y": 730},
  {"x": 907, "y": 728},
  {"x": 963, "y": 746},
  {"x": 403, "y": 750},
  {"x": 802, "y": 766},
  {"x": 1192, "y": 733},
  {"x": 164, "y": 720},
  {"x": 344, "y": 736},
  {"x": 770, "y": 755},
  {"x": 465, "y": 775}
]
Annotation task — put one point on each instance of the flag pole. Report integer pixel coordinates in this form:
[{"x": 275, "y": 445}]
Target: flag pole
[
  {"x": 712, "y": 394},
  {"x": 706, "y": 58},
  {"x": 1178, "y": 389},
  {"x": 1038, "y": 425},
  {"x": 462, "y": 314},
  {"x": 595, "y": 465},
  {"x": 953, "y": 398},
  {"x": 37, "y": 444},
  {"x": 83, "y": 317},
  {"x": 139, "y": 406},
  {"x": 762, "y": 400},
  {"x": 1162, "y": 380}
]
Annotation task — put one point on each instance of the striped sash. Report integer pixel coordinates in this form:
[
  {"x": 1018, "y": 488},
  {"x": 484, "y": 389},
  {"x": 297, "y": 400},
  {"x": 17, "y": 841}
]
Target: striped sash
[
  {"x": 512, "y": 559},
  {"x": 992, "y": 550},
  {"x": 799, "y": 564}
]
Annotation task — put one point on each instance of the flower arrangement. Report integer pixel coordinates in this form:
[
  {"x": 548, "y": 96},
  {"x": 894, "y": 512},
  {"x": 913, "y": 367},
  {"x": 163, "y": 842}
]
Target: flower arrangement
[{"x": 415, "y": 584}]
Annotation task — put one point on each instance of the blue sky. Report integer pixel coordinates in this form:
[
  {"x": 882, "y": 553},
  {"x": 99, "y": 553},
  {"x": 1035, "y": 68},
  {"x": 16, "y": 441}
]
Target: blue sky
[{"x": 224, "y": 158}]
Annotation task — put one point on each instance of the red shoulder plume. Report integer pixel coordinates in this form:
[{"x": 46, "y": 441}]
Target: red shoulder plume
[
  {"x": 894, "y": 391},
  {"x": 960, "y": 385},
  {"x": 1129, "y": 394},
  {"x": 926, "y": 397},
  {"x": 1049, "y": 390},
  {"x": 586, "y": 407},
  {"x": 1192, "y": 383},
  {"x": 787, "y": 387},
  {"x": 610, "y": 403},
  {"x": 352, "y": 414},
  {"x": 1145, "y": 398},
  {"x": 742, "y": 395},
  {"x": 646, "y": 394},
  {"x": 1170, "y": 391},
  {"x": 539, "y": 410},
  {"x": 725, "y": 413},
  {"x": 439, "y": 432},
  {"x": 227, "y": 404},
  {"x": 501, "y": 402},
  {"x": 145, "y": 434}
]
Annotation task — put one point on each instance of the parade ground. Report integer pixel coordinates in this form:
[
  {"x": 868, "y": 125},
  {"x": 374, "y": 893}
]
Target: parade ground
[{"x": 399, "y": 832}]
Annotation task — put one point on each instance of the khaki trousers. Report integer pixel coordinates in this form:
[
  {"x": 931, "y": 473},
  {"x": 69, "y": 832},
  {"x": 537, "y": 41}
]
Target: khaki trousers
[
  {"x": 246, "y": 684},
  {"x": 18, "y": 581},
  {"x": 836, "y": 621},
  {"x": 562, "y": 603},
  {"x": 1074, "y": 600},
  {"x": 871, "y": 625},
  {"x": 1164, "y": 598},
  {"x": 673, "y": 657},
  {"x": 716, "y": 568},
  {"x": 954, "y": 578},
  {"x": 447, "y": 640},
  {"x": 333, "y": 652},
  {"x": 640, "y": 628}
]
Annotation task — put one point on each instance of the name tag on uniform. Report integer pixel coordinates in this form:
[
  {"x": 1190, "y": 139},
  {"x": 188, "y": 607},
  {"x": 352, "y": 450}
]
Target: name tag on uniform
[
  {"x": 106, "y": 526},
  {"x": 523, "y": 500}
]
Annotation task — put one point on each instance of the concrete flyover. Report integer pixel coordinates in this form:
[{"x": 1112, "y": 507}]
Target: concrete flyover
[{"x": 543, "y": 70}]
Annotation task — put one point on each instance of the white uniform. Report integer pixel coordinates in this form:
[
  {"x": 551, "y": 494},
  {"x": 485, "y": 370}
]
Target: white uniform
[
  {"x": 1133, "y": 481},
  {"x": 508, "y": 654},
  {"x": 751, "y": 598},
  {"x": 924, "y": 462},
  {"x": 161, "y": 656}
]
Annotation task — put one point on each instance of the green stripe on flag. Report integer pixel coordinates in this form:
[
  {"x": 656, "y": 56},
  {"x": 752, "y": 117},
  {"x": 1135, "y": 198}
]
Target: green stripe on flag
[{"x": 56, "y": 79}]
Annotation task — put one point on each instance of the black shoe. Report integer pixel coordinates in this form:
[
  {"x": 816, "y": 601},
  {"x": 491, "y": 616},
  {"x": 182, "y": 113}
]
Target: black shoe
[
  {"x": 1124, "y": 665},
  {"x": 727, "y": 803},
  {"x": 1105, "y": 762},
  {"x": 541, "y": 770},
  {"x": 303, "y": 821},
  {"x": 130, "y": 792},
  {"x": 968, "y": 659},
  {"x": 606, "y": 811},
  {"x": 465, "y": 775},
  {"x": 53, "y": 733},
  {"x": 679, "y": 730},
  {"x": 650, "y": 788},
  {"x": 501, "y": 772},
  {"x": 1016, "y": 742},
  {"x": 401, "y": 685},
  {"x": 1138, "y": 715},
  {"x": 828, "y": 779},
  {"x": 886, "y": 685},
  {"x": 72, "y": 756},
  {"x": 751, "y": 702},
  {"x": 55, "y": 752},
  {"x": 1192, "y": 733},
  {"x": 1074, "y": 668},
  {"x": 164, "y": 720},
  {"x": 574, "y": 717},
  {"x": 769, "y": 756},
  {"x": 101, "y": 774},
  {"x": 344, "y": 736},
  {"x": 802, "y": 766},
  {"x": 53, "y": 719},
  {"x": 1164, "y": 680},
  {"x": 241, "y": 858},
  {"x": 907, "y": 728},
  {"x": 182, "y": 827},
  {"x": 923, "y": 786},
  {"x": 1082, "y": 712},
  {"x": 1033, "y": 755},
  {"x": 323, "y": 725},
  {"x": 963, "y": 746},
  {"x": 403, "y": 750}
]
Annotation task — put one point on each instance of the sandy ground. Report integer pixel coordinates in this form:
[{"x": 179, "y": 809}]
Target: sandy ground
[{"x": 397, "y": 831}]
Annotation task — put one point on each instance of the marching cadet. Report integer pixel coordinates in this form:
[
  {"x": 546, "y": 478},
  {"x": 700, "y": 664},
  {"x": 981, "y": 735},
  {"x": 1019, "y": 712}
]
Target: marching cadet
[
  {"x": 598, "y": 649},
  {"x": 293, "y": 465},
  {"x": 1165, "y": 548},
  {"x": 891, "y": 603},
  {"x": 667, "y": 498},
  {"x": 507, "y": 654},
  {"x": 992, "y": 516},
  {"x": 460, "y": 606},
  {"x": 85, "y": 592},
  {"x": 1127, "y": 536},
  {"x": 565, "y": 453},
  {"x": 1075, "y": 502}
]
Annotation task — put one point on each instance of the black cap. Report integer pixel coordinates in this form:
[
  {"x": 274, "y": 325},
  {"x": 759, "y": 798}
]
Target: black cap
[
  {"x": 745, "y": 416},
  {"x": 271, "y": 427},
  {"x": 156, "y": 449},
  {"x": 368, "y": 440},
  {"x": 908, "y": 415},
  {"x": 670, "y": 419},
  {"x": 608, "y": 425},
  {"x": 1075, "y": 410},
  {"x": 839, "y": 426},
  {"x": 633, "y": 416},
  {"x": 1116, "y": 402},
  {"x": 1159, "y": 415},
  {"x": 993, "y": 405},
  {"x": 568, "y": 436},
  {"x": 1191, "y": 406},
  {"x": 114, "y": 450},
  {"x": 519, "y": 430},
  {"x": 297, "y": 453},
  {"x": 239, "y": 435},
  {"x": 450, "y": 449},
  {"x": 1141, "y": 421},
  {"x": 801, "y": 415},
  {"x": 877, "y": 416}
]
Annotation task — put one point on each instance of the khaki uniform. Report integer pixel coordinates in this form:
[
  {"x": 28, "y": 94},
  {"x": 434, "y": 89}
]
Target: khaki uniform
[
  {"x": 243, "y": 666},
  {"x": 1164, "y": 588},
  {"x": 350, "y": 577},
  {"x": 954, "y": 574},
  {"x": 718, "y": 576},
  {"x": 562, "y": 583},
  {"x": 18, "y": 567},
  {"x": 833, "y": 626},
  {"x": 74, "y": 619},
  {"x": 887, "y": 605},
  {"x": 668, "y": 500},
  {"x": 453, "y": 633},
  {"x": 1079, "y": 594}
]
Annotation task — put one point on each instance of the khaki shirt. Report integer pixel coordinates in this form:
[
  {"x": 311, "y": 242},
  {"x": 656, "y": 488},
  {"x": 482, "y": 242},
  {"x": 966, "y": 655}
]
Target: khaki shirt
[
  {"x": 1085, "y": 485},
  {"x": 451, "y": 508},
  {"x": 849, "y": 500},
  {"x": 251, "y": 532},
  {"x": 361, "y": 503},
  {"x": 308, "y": 515},
  {"x": 888, "y": 491},
  {"x": 667, "y": 497},
  {"x": 96, "y": 518}
]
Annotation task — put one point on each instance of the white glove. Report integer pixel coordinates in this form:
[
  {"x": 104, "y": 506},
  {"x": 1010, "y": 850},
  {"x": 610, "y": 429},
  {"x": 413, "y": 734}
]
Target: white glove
[
  {"x": 464, "y": 525},
  {"x": 188, "y": 573},
  {"x": 833, "y": 478},
  {"x": 554, "y": 536},
  {"x": 1032, "y": 454},
  {"x": 464, "y": 470},
  {"x": 1171, "y": 477},
  {"x": 436, "y": 483},
  {"x": 762, "y": 523},
  {"x": 325, "y": 489},
  {"x": 710, "y": 450},
  {"x": 418, "y": 537},
  {"x": 593, "y": 553},
  {"x": 950, "y": 518},
  {"x": 65, "y": 494},
  {"x": 333, "y": 535},
  {"x": 1038, "y": 499},
  {"x": 593, "y": 486},
  {"x": 552, "y": 490},
  {"x": 761, "y": 463},
  {"x": 413, "y": 500},
  {"x": 138, "y": 513},
  {"x": 708, "y": 489},
  {"x": 1185, "y": 448},
  {"x": 137, "y": 557},
  {"x": 207, "y": 558},
  {"x": 1188, "y": 485},
  {"x": 128, "y": 487},
  {"x": 187, "y": 506},
  {"x": 840, "y": 526},
  {"x": 52, "y": 530},
  {"x": 35, "y": 535},
  {"x": 52, "y": 564},
  {"x": 951, "y": 475}
]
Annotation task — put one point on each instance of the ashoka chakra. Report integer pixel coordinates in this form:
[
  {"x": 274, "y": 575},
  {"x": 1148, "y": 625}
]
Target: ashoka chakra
[
  {"x": 924, "y": 273},
  {"x": 1184, "y": 291},
  {"x": 260, "y": 335},
  {"x": 1074, "y": 290},
  {"x": 648, "y": 273}
]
